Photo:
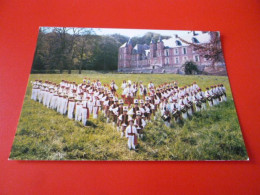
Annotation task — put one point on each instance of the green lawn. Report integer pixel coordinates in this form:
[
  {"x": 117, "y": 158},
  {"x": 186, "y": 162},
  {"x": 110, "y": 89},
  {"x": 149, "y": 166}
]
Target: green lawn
[{"x": 43, "y": 134}]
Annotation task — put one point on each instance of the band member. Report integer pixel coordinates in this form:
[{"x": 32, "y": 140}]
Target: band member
[
  {"x": 148, "y": 109},
  {"x": 183, "y": 110},
  {"x": 128, "y": 94},
  {"x": 166, "y": 116},
  {"x": 145, "y": 91},
  {"x": 113, "y": 87},
  {"x": 139, "y": 123},
  {"x": 141, "y": 89},
  {"x": 71, "y": 106},
  {"x": 112, "y": 115},
  {"x": 131, "y": 133},
  {"x": 96, "y": 105},
  {"x": 196, "y": 101},
  {"x": 124, "y": 85},
  {"x": 133, "y": 110},
  {"x": 150, "y": 85},
  {"x": 118, "y": 111},
  {"x": 203, "y": 99},
  {"x": 208, "y": 95},
  {"x": 189, "y": 104},
  {"x": 223, "y": 90},
  {"x": 78, "y": 110},
  {"x": 175, "y": 110},
  {"x": 85, "y": 114},
  {"x": 123, "y": 118}
]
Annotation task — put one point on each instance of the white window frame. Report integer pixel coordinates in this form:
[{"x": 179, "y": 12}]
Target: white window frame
[
  {"x": 194, "y": 57},
  {"x": 185, "y": 58},
  {"x": 184, "y": 48},
  {"x": 176, "y": 60},
  {"x": 176, "y": 51}
]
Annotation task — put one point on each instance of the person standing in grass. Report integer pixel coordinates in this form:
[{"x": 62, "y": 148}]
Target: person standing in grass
[
  {"x": 96, "y": 105},
  {"x": 139, "y": 123},
  {"x": 85, "y": 115},
  {"x": 124, "y": 118},
  {"x": 131, "y": 132}
]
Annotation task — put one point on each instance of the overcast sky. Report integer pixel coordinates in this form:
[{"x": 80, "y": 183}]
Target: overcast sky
[{"x": 133, "y": 32}]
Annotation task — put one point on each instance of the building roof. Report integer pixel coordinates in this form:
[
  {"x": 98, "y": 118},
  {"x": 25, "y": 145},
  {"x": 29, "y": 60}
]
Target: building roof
[{"x": 199, "y": 37}]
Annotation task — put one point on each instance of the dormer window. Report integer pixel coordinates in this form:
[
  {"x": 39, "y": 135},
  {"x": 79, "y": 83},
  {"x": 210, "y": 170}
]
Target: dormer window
[
  {"x": 178, "y": 43},
  {"x": 194, "y": 40}
]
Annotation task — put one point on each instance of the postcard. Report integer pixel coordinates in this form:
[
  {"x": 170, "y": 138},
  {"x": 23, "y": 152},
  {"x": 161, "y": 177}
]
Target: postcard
[{"x": 128, "y": 95}]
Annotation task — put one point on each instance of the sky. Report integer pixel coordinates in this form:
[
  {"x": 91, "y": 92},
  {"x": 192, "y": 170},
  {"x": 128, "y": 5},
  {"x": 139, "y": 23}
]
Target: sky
[{"x": 134, "y": 32}]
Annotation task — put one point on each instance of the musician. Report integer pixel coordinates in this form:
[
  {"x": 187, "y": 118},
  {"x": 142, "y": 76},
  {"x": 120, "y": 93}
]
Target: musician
[
  {"x": 139, "y": 123},
  {"x": 71, "y": 106},
  {"x": 166, "y": 116},
  {"x": 123, "y": 118},
  {"x": 133, "y": 110},
  {"x": 113, "y": 87},
  {"x": 203, "y": 99},
  {"x": 189, "y": 104},
  {"x": 175, "y": 110},
  {"x": 223, "y": 90},
  {"x": 131, "y": 132},
  {"x": 78, "y": 111},
  {"x": 197, "y": 101},
  {"x": 209, "y": 95},
  {"x": 107, "y": 105},
  {"x": 112, "y": 115},
  {"x": 85, "y": 114},
  {"x": 119, "y": 111},
  {"x": 124, "y": 85},
  {"x": 183, "y": 110},
  {"x": 141, "y": 89},
  {"x": 148, "y": 108},
  {"x": 150, "y": 85},
  {"x": 96, "y": 106},
  {"x": 128, "y": 94}
]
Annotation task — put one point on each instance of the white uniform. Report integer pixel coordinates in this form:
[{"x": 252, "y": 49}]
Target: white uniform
[
  {"x": 84, "y": 115},
  {"x": 71, "y": 109},
  {"x": 130, "y": 132},
  {"x": 96, "y": 105}
]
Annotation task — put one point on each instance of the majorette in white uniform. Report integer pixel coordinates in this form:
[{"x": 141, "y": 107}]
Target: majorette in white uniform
[{"x": 131, "y": 132}]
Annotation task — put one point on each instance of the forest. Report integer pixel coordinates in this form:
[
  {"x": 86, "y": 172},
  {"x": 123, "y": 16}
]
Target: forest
[{"x": 62, "y": 49}]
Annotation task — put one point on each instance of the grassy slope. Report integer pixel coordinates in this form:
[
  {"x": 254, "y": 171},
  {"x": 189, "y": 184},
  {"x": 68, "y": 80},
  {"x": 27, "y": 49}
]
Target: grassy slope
[{"x": 212, "y": 135}]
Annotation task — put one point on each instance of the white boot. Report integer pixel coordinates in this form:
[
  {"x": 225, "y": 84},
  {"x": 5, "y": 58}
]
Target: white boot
[
  {"x": 122, "y": 134},
  {"x": 107, "y": 120}
]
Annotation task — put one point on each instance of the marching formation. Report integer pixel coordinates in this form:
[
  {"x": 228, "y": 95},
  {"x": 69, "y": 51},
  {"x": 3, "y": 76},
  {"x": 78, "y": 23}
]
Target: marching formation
[{"x": 137, "y": 106}]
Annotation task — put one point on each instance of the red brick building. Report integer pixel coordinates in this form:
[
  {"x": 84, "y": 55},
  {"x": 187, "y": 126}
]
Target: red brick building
[{"x": 163, "y": 56}]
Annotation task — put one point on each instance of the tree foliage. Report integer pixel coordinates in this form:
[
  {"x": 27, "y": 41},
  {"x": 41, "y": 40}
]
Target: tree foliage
[
  {"x": 212, "y": 51},
  {"x": 190, "y": 68}
]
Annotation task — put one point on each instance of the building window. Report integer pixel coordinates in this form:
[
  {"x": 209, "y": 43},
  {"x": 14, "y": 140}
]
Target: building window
[
  {"x": 176, "y": 51},
  {"x": 166, "y": 60},
  {"x": 196, "y": 58},
  {"x": 176, "y": 60},
  {"x": 166, "y": 52},
  {"x": 184, "y": 50},
  {"x": 185, "y": 58}
]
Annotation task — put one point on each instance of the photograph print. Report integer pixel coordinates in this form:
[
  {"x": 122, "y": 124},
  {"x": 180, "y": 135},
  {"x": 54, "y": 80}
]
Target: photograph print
[{"x": 128, "y": 95}]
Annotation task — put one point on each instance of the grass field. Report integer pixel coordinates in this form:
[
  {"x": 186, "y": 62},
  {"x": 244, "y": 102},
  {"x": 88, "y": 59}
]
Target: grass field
[{"x": 43, "y": 134}]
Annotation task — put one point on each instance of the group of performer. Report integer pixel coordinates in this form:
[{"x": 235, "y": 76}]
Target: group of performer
[{"x": 137, "y": 106}]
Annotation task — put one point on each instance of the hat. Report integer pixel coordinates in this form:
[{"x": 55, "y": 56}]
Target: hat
[
  {"x": 147, "y": 98},
  {"x": 138, "y": 113},
  {"x": 115, "y": 99},
  {"x": 125, "y": 108},
  {"x": 141, "y": 101},
  {"x": 135, "y": 101},
  {"x": 121, "y": 101}
]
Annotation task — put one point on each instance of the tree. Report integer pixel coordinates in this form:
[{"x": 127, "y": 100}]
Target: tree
[
  {"x": 211, "y": 51},
  {"x": 190, "y": 68}
]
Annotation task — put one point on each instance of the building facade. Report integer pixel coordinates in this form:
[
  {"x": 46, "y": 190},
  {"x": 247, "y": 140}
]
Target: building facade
[{"x": 163, "y": 56}]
